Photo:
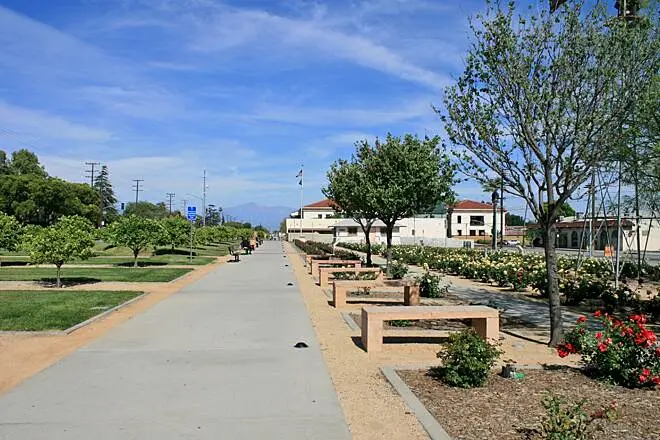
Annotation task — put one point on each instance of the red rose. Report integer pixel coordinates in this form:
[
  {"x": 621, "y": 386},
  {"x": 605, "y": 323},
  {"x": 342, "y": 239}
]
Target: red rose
[
  {"x": 581, "y": 319},
  {"x": 656, "y": 380},
  {"x": 646, "y": 372},
  {"x": 599, "y": 335},
  {"x": 570, "y": 348},
  {"x": 597, "y": 313},
  {"x": 602, "y": 347},
  {"x": 642, "y": 378},
  {"x": 657, "y": 351}
]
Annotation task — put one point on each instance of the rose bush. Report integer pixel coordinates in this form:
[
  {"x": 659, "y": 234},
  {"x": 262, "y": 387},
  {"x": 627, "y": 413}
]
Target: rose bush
[{"x": 623, "y": 352}]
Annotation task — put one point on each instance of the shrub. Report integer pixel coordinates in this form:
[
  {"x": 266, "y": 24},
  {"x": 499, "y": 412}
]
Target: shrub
[
  {"x": 570, "y": 421},
  {"x": 429, "y": 286},
  {"x": 466, "y": 360},
  {"x": 624, "y": 352},
  {"x": 398, "y": 269}
]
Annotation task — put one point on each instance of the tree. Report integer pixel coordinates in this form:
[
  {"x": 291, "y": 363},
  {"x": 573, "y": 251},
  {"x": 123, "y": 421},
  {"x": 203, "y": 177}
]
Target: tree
[
  {"x": 10, "y": 233},
  {"x": 4, "y": 164},
  {"x": 133, "y": 232},
  {"x": 565, "y": 210},
  {"x": 26, "y": 163},
  {"x": 350, "y": 188},
  {"x": 174, "y": 231},
  {"x": 147, "y": 210},
  {"x": 70, "y": 238},
  {"x": 406, "y": 175},
  {"x": 213, "y": 215},
  {"x": 282, "y": 228},
  {"x": 108, "y": 202},
  {"x": 514, "y": 220},
  {"x": 541, "y": 102}
]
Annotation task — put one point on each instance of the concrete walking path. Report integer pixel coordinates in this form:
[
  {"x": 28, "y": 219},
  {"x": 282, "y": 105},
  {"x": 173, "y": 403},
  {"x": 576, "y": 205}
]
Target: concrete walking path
[{"x": 213, "y": 361}]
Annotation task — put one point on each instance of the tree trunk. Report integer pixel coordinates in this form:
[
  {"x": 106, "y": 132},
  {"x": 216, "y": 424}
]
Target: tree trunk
[
  {"x": 556, "y": 327},
  {"x": 367, "y": 240},
  {"x": 389, "y": 228},
  {"x": 135, "y": 257},
  {"x": 58, "y": 282}
]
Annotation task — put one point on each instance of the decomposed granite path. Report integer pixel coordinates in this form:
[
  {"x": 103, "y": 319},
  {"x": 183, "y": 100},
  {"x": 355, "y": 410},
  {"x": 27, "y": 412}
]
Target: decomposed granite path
[{"x": 213, "y": 361}]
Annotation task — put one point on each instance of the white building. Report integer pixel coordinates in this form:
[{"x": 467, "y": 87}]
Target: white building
[
  {"x": 474, "y": 220},
  {"x": 349, "y": 231}
]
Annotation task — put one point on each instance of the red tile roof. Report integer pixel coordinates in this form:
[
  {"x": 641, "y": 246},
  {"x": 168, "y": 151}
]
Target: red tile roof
[
  {"x": 325, "y": 203},
  {"x": 472, "y": 205}
]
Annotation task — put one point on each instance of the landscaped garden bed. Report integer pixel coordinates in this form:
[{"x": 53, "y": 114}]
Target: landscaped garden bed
[
  {"x": 32, "y": 310},
  {"x": 508, "y": 409}
]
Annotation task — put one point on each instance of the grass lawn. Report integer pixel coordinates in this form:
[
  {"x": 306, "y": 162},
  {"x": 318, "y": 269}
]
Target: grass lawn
[
  {"x": 220, "y": 250},
  {"x": 54, "y": 310},
  {"x": 90, "y": 274},
  {"x": 159, "y": 260}
]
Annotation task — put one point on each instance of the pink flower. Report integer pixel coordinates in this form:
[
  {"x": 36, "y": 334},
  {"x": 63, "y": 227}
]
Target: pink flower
[{"x": 642, "y": 378}]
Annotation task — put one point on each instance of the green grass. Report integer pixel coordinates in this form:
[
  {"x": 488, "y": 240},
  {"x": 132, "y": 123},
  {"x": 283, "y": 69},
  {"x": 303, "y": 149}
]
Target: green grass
[
  {"x": 54, "y": 310},
  {"x": 85, "y": 275},
  {"x": 159, "y": 260}
]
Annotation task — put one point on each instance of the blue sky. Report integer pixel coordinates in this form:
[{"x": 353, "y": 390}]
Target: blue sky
[{"x": 160, "y": 89}]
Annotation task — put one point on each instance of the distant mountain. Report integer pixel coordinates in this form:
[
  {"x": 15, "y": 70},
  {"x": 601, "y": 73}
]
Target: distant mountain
[{"x": 268, "y": 216}]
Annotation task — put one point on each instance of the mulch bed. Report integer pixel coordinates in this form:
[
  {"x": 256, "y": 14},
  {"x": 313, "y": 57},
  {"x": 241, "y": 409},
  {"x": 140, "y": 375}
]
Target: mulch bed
[{"x": 507, "y": 409}]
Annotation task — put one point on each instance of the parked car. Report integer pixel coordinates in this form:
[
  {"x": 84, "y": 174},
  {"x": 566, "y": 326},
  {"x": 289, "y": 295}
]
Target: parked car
[{"x": 511, "y": 242}]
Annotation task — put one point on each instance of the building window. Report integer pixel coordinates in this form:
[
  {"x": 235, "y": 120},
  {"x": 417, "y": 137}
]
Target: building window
[
  {"x": 458, "y": 220},
  {"x": 352, "y": 232},
  {"x": 383, "y": 232},
  {"x": 320, "y": 216},
  {"x": 395, "y": 230},
  {"x": 477, "y": 220},
  {"x": 413, "y": 232},
  {"x": 473, "y": 233},
  {"x": 574, "y": 239},
  {"x": 482, "y": 233},
  {"x": 459, "y": 232}
]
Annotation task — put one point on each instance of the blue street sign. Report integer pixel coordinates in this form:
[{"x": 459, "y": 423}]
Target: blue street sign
[{"x": 192, "y": 213}]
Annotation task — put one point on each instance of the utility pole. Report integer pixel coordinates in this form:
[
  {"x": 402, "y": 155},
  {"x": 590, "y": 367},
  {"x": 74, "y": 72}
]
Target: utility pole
[
  {"x": 592, "y": 225},
  {"x": 204, "y": 201},
  {"x": 170, "y": 196},
  {"x": 502, "y": 225},
  {"x": 137, "y": 189},
  {"x": 90, "y": 171},
  {"x": 185, "y": 206},
  {"x": 494, "y": 200}
]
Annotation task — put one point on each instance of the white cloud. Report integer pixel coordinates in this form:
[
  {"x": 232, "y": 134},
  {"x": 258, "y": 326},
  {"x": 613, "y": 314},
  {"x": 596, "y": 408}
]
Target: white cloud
[{"x": 35, "y": 124}]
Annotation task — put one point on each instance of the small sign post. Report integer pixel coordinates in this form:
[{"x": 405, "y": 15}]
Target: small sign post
[{"x": 192, "y": 216}]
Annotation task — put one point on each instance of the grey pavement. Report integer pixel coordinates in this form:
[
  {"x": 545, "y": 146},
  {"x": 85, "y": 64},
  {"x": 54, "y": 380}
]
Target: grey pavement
[{"x": 213, "y": 361}]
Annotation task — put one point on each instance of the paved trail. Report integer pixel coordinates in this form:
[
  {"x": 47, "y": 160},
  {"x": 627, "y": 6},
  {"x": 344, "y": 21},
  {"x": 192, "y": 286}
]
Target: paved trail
[{"x": 214, "y": 361}]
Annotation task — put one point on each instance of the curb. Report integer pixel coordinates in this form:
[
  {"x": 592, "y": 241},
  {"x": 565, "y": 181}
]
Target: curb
[
  {"x": 350, "y": 321},
  {"x": 102, "y": 315},
  {"x": 428, "y": 422}
]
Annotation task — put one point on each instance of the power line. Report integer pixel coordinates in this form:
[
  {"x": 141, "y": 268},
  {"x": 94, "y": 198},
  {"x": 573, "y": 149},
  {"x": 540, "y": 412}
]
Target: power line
[
  {"x": 170, "y": 196},
  {"x": 90, "y": 172},
  {"x": 137, "y": 189}
]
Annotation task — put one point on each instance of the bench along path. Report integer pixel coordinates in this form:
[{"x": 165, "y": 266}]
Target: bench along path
[{"x": 214, "y": 361}]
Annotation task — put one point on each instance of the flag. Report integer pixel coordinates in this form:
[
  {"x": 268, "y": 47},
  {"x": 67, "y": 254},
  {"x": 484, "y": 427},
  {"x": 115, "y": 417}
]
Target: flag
[
  {"x": 300, "y": 182},
  {"x": 300, "y": 173}
]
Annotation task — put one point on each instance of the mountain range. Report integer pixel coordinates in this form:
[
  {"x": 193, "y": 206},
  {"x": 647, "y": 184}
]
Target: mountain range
[{"x": 268, "y": 216}]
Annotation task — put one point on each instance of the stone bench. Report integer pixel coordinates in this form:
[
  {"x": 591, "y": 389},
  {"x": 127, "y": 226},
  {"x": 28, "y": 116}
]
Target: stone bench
[
  {"x": 325, "y": 272},
  {"x": 318, "y": 263},
  {"x": 310, "y": 257},
  {"x": 485, "y": 320},
  {"x": 341, "y": 288}
]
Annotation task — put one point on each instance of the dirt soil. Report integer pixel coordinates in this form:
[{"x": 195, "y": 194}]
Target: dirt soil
[
  {"x": 373, "y": 410},
  {"x": 24, "y": 355},
  {"x": 507, "y": 409}
]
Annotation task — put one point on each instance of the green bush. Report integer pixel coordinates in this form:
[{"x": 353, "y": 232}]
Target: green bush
[
  {"x": 429, "y": 286},
  {"x": 466, "y": 360},
  {"x": 398, "y": 269},
  {"x": 570, "y": 421}
]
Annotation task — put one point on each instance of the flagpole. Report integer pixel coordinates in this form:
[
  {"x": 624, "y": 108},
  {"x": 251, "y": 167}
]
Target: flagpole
[{"x": 302, "y": 177}]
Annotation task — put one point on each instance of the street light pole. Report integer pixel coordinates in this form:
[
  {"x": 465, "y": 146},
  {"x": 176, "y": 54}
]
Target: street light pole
[{"x": 494, "y": 200}]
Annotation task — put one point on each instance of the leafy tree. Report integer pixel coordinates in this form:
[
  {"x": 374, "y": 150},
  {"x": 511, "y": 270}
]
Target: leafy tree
[
  {"x": 103, "y": 186},
  {"x": 10, "y": 233},
  {"x": 350, "y": 188},
  {"x": 282, "y": 228},
  {"x": 174, "y": 231},
  {"x": 4, "y": 164},
  {"x": 133, "y": 232},
  {"x": 68, "y": 239},
  {"x": 213, "y": 215},
  {"x": 541, "y": 102},
  {"x": 147, "y": 210},
  {"x": 565, "y": 210},
  {"x": 26, "y": 163},
  {"x": 514, "y": 220},
  {"x": 406, "y": 175}
]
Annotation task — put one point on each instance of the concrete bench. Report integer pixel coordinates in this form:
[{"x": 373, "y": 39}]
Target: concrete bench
[
  {"x": 325, "y": 272},
  {"x": 341, "y": 288},
  {"x": 310, "y": 257},
  {"x": 485, "y": 320},
  {"x": 318, "y": 263}
]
